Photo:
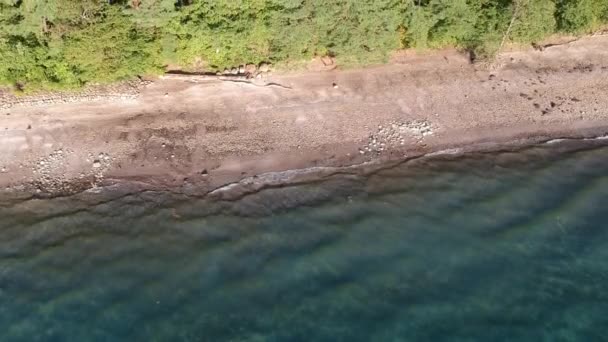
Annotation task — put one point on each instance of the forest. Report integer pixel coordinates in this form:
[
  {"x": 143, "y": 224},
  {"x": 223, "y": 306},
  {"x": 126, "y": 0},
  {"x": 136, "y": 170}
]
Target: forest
[{"x": 62, "y": 44}]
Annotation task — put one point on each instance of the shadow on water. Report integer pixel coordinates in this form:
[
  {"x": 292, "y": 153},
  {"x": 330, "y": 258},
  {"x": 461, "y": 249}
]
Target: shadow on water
[{"x": 488, "y": 246}]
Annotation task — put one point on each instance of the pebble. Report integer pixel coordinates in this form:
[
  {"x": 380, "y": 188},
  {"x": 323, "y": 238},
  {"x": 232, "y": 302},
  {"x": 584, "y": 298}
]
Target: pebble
[
  {"x": 96, "y": 164},
  {"x": 394, "y": 134},
  {"x": 124, "y": 91}
]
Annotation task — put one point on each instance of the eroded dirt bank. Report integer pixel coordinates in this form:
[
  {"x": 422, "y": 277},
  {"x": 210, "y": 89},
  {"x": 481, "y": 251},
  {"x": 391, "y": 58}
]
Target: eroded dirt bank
[{"x": 179, "y": 133}]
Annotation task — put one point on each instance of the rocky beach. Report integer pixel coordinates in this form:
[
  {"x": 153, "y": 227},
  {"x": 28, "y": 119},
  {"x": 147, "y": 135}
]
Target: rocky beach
[{"x": 197, "y": 134}]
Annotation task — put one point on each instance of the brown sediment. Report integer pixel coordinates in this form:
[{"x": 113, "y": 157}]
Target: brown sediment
[{"x": 179, "y": 134}]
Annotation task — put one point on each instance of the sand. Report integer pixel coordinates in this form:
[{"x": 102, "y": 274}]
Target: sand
[{"x": 183, "y": 133}]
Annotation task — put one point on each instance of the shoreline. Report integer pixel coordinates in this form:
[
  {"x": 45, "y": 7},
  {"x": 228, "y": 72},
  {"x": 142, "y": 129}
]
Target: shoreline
[
  {"x": 200, "y": 137},
  {"x": 237, "y": 190},
  {"x": 242, "y": 188}
]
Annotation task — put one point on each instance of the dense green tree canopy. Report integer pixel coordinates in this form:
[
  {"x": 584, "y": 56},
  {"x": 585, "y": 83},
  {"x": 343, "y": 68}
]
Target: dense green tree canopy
[{"x": 47, "y": 44}]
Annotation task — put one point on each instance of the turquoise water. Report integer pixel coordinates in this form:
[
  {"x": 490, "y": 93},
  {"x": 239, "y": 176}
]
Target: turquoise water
[{"x": 486, "y": 247}]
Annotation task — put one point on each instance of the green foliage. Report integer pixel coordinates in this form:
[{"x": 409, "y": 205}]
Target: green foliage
[
  {"x": 153, "y": 13},
  {"x": 455, "y": 22},
  {"x": 535, "y": 20},
  {"x": 582, "y": 15},
  {"x": 477, "y": 25},
  {"x": 71, "y": 44},
  {"x": 222, "y": 33},
  {"x": 112, "y": 50},
  {"x": 65, "y": 43},
  {"x": 228, "y": 33},
  {"x": 354, "y": 31}
]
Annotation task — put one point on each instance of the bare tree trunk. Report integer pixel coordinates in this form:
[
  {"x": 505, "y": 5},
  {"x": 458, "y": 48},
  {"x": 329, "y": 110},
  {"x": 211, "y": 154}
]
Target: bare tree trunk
[
  {"x": 516, "y": 10},
  {"x": 508, "y": 32}
]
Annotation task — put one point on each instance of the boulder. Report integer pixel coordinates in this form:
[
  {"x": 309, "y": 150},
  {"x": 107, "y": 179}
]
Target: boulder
[{"x": 264, "y": 67}]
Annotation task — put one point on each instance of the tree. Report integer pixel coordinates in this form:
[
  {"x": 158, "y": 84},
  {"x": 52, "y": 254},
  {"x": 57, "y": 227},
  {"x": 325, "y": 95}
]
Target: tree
[
  {"x": 582, "y": 15},
  {"x": 535, "y": 20},
  {"x": 65, "y": 43},
  {"x": 112, "y": 49},
  {"x": 152, "y": 13}
]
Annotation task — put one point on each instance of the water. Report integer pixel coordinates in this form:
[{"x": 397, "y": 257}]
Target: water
[{"x": 488, "y": 247}]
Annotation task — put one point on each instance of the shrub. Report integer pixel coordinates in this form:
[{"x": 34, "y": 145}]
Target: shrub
[
  {"x": 582, "y": 15},
  {"x": 65, "y": 43}
]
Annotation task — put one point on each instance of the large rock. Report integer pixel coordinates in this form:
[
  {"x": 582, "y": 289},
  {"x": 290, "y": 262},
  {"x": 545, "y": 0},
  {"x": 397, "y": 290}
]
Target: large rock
[{"x": 264, "y": 67}]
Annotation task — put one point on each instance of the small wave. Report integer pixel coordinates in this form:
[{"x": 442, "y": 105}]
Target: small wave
[
  {"x": 449, "y": 151},
  {"x": 560, "y": 140},
  {"x": 288, "y": 176},
  {"x": 555, "y": 141},
  {"x": 601, "y": 137},
  {"x": 224, "y": 188}
]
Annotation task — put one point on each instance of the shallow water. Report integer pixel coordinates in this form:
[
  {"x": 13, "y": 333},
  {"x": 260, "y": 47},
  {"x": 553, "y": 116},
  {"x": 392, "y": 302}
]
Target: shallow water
[{"x": 490, "y": 247}]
